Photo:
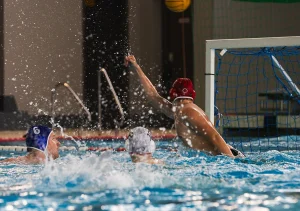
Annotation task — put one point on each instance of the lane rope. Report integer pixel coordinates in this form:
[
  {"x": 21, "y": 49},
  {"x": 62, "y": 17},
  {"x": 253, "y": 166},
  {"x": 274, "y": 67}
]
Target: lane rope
[
  {"x": 12, "y": 148},
  {"x": 90, "y": 138},
  {"x": 63, "y": 148}
]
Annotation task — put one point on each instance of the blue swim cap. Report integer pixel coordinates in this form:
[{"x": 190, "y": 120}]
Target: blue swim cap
[{"x": 37, "y": 137}]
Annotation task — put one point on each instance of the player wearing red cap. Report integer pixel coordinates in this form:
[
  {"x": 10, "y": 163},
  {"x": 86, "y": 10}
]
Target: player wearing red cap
[{"x": 191, "y": 123}]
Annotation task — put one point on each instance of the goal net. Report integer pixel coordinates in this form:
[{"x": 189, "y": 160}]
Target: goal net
[{"x": 253, "y": 92}]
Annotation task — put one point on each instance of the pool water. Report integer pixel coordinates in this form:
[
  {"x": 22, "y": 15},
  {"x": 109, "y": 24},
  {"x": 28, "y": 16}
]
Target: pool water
[{"x": 188, "y": 181}]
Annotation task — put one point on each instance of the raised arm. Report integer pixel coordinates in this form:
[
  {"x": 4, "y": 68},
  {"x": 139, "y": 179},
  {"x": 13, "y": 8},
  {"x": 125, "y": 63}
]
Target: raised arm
[{"x": 152, "y": 95}]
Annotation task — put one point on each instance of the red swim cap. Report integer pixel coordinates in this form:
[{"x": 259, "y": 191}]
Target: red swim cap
[{"x": 182, "y": 88}]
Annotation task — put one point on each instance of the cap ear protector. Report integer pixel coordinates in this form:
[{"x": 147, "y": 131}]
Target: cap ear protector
[
  {"x": 182, "y": 88},
  {"x": 139, "y": 141}
]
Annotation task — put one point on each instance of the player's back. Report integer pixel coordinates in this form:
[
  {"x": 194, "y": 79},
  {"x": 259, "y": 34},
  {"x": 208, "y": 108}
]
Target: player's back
[{"x": 195, "y": 136}]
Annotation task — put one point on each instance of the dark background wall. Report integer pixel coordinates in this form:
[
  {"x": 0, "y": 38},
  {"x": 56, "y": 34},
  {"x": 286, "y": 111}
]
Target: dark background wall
[
  {"x": 105, "y": 29},
  {"x": 145, "y": 41},
  {"x": 177, "y": 45},
  {"x": 1, "y": 55},
  {"x": 155, "y": 38}
]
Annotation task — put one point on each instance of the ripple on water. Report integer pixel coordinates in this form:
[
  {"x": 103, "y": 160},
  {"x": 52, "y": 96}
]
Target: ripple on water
[{"x": 268, "y": 180}]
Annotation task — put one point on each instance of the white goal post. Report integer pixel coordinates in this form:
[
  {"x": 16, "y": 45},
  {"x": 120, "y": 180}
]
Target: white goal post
[{"x": 224, "y": 44}]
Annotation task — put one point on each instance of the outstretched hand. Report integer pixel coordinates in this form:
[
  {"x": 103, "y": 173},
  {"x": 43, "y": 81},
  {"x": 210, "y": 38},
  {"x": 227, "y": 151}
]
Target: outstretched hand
[{"x": 130, "y": 60}]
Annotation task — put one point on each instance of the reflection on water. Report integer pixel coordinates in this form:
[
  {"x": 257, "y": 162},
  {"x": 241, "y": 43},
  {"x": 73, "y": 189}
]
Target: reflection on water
[{"x": 110, "y": 181}]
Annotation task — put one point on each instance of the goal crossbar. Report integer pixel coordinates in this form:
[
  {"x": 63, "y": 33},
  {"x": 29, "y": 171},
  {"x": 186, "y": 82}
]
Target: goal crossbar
[{"x": 212, "y": 45}]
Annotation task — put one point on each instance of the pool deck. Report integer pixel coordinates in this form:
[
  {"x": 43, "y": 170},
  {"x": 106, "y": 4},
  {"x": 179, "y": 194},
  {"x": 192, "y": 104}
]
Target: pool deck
[{"x": 6, "y": 136}]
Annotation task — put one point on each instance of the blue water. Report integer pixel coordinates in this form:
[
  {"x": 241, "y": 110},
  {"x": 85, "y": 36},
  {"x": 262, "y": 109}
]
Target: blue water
[{"x": 196, "y": 181}]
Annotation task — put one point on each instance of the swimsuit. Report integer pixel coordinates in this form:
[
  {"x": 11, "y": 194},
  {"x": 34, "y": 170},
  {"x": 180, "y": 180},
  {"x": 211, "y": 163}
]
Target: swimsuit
[{"x": 237, "y": 153}]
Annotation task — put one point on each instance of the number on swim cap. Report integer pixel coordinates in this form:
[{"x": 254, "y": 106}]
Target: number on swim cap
[{"x": 36, "y": 130}]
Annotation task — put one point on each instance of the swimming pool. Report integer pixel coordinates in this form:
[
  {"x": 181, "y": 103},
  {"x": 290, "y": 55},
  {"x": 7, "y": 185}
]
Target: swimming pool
[{"x": 110, "y": 181}]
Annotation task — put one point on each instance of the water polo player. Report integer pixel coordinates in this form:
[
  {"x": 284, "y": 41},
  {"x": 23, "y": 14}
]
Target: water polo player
[
  {"x": 191, "y": 123},
  {"x": 140, "y": 146},
  {"x": 41, "y": 144}
]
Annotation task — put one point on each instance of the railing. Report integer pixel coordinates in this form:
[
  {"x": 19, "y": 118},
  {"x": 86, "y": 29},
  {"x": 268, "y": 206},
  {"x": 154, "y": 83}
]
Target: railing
[
  {"x": 67, "y": 86},
  {"x": 102, "y": 70}
]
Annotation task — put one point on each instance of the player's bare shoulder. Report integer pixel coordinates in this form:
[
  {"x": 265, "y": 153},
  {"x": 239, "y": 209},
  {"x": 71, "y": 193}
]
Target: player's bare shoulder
[
  {"x": 191, "y": 109},
  {"x": 194, "y": 115}
]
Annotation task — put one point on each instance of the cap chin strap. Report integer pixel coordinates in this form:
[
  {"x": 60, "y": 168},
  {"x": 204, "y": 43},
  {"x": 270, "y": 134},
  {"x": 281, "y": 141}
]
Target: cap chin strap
[{"x": 183, "y": 97}]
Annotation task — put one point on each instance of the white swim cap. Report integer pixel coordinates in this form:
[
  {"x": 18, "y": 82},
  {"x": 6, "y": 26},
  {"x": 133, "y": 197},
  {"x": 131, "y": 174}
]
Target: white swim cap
[{"x": 139, "y": 141}]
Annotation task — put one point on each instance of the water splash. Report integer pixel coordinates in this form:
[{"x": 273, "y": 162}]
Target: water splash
[
  {"x": 93, "y": 173},
  {"x": 78, "y": 143}
]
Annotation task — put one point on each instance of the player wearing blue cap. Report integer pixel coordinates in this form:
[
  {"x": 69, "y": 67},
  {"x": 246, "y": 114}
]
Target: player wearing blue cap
[{"x": 41, "y": 144}]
